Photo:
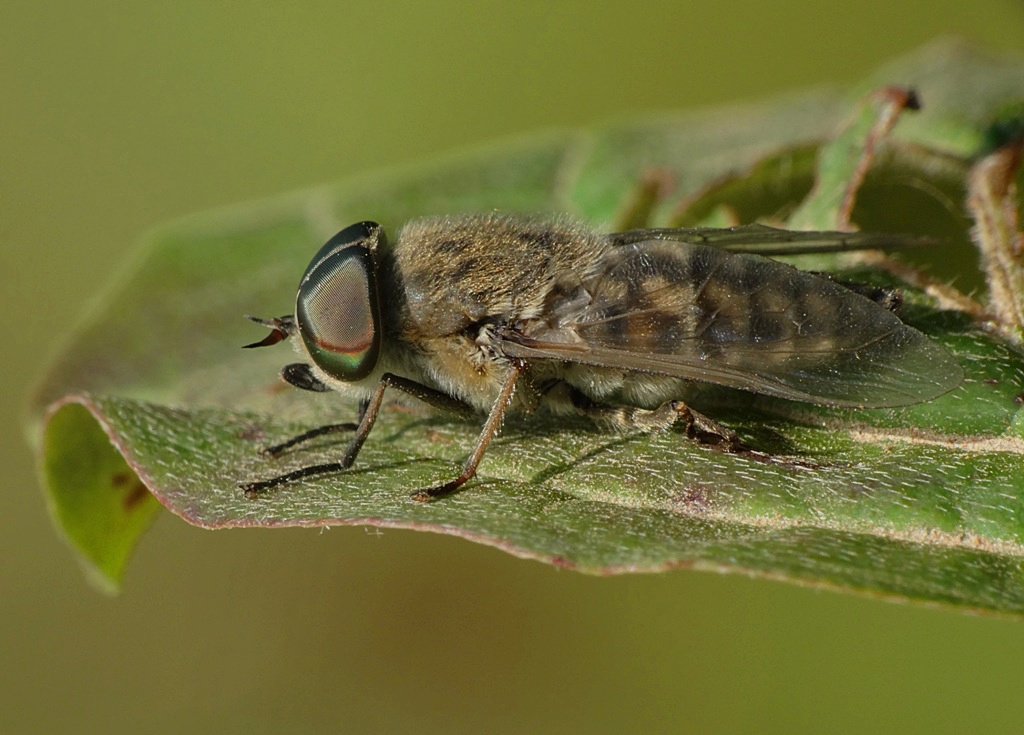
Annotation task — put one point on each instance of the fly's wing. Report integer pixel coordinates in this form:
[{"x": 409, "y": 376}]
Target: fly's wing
[
  {"x": 764, "y": 240},
  {"x": 705, "y": 314}
]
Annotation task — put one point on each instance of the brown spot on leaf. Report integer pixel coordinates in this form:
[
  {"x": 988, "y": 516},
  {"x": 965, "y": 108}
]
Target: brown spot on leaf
[
  {"x": 438, "y": 437},
  {"x": 250, "y": 432},
  {"x": 134, "y": 489},
  {"x": 561, "y": 562},
  {"x": 692, "y": 499}
]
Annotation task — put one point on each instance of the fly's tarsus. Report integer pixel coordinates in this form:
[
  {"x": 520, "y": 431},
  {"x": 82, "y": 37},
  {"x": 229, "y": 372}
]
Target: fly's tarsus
[
  {"x": 440, "y": 491},
  {"x": 255, "y": 489}
]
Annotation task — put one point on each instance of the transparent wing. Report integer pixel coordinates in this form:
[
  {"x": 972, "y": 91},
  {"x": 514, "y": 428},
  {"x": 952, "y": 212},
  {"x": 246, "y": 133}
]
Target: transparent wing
[
  {"x": 764, "y": 240},
  {"x": 670, "y": 307}
]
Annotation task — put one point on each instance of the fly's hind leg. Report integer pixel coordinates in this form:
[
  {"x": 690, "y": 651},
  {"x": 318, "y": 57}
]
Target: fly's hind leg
[
  {"x": 708, "y": 431},
  {"x": 698, "y": 427}
]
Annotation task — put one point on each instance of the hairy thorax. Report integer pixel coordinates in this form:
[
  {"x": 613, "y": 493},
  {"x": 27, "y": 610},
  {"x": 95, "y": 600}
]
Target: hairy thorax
[{"x": 463, "y": 278}]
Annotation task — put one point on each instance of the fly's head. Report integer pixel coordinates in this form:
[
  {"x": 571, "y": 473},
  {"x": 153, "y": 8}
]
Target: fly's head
[{"x": 337, "y": 308}]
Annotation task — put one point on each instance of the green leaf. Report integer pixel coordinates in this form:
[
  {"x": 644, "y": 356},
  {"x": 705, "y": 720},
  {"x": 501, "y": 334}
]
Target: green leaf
[{"x": 921, "y": 503}]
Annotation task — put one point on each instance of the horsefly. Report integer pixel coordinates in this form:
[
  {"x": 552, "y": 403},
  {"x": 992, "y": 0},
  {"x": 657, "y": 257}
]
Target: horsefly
[{"x": 482, "y": 314}]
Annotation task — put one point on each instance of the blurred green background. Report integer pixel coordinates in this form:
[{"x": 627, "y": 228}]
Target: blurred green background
[{"x": 120, "y": 115}]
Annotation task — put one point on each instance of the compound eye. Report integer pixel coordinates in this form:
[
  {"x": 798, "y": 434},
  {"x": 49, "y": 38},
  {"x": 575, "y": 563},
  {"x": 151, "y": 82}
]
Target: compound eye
[
  {"x": 361, "y": 233},
  {"x": 337, "y": 308}
]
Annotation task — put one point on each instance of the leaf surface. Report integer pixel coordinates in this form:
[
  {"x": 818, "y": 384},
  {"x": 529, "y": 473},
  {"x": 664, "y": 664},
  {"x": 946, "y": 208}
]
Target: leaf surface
[{"x": 151, "y": 398}]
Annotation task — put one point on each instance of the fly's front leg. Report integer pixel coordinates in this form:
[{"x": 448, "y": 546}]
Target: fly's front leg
[
  {"x": 301, "y": 376},
  {"x": 278, "y": 449},
  {"x": 368, "y": 415}
]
